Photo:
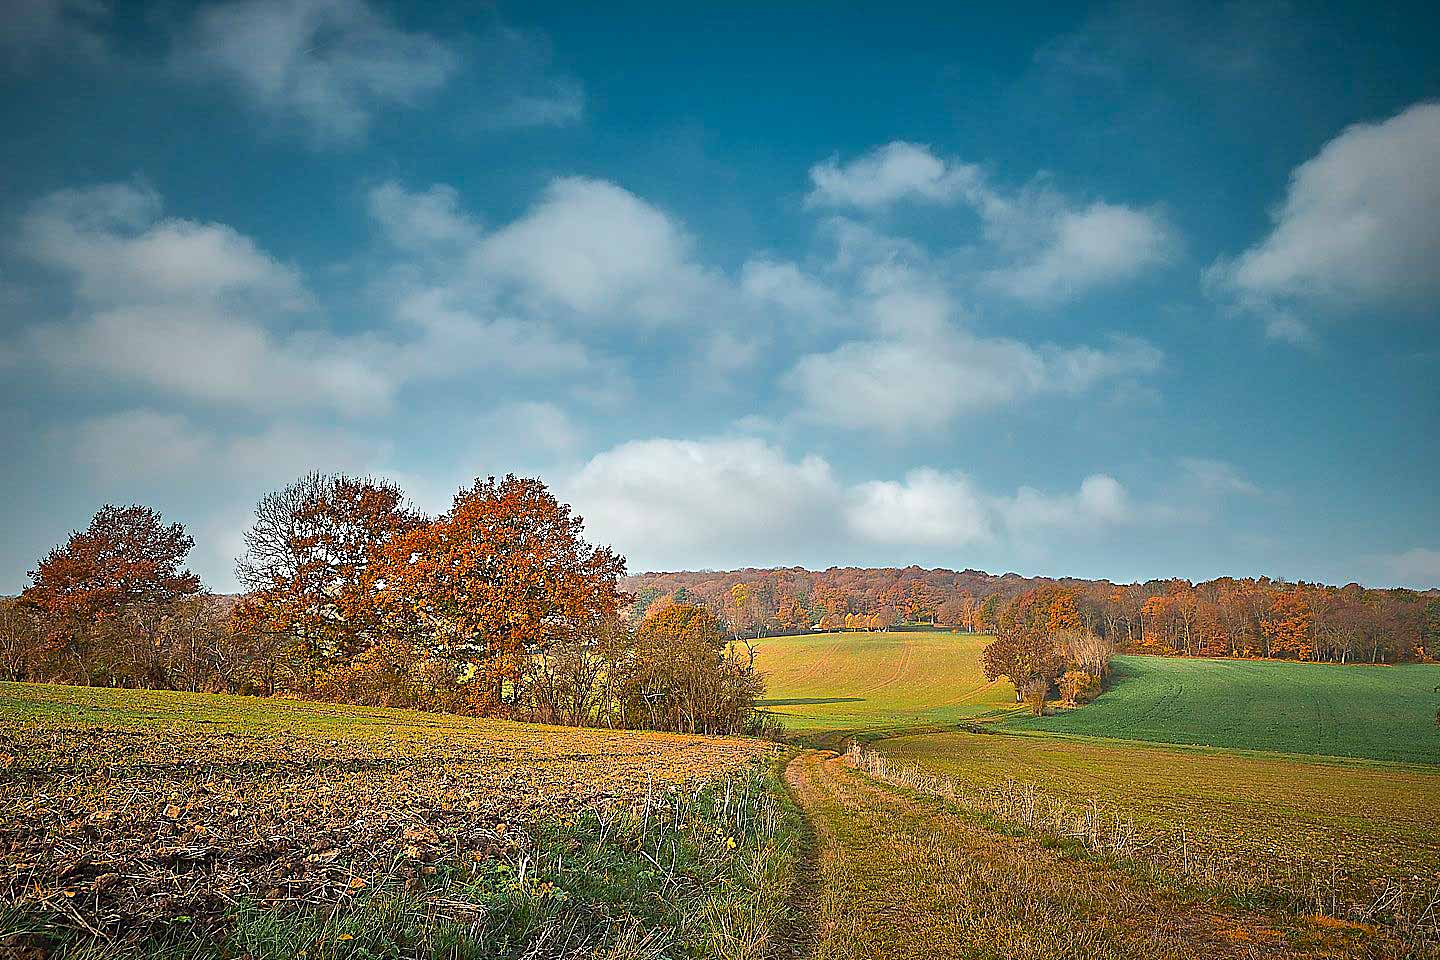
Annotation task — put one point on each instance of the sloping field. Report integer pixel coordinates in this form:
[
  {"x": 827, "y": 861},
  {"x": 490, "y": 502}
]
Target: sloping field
[
  {"x": 853, "y": 681},
  {"x": 905, "y": 874},
  {"x": 120, "y": 807},
  {"x": 1384, "y": 713},
  {"x": 1278, "y": 818}
]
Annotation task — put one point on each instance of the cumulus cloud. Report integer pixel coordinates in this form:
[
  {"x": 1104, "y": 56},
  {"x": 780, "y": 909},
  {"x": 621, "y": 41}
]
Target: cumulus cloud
[
  {"x": 745, "y": 501},
  {"x": 858, "y": 384},
  {"x": 785, "y": 285},
  {"x": 1045, "y": 247},
  {"x": 670, "y": 496},
  {"x": 1359, "y": 226},
  {"x": 218, "y": 358},
  {"x": 331, "y": 63},
  {"x": 182, "y": 306},
  {"x": 888, "y": 174},
  {"x": 594, "y": 248},
  {"x": 872, "y": 384},
  {"x": 1102, "y": 243},
  {"x": 201, "y": 311},
  {"x": 421, "y": 221},
  {"x": 927, "y": 507},
  {"x": 113, "y": 242},
  {"x": 1100, "y": 501}
]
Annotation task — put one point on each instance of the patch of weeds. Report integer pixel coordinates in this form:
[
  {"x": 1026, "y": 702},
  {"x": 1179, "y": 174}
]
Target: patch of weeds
[{"x": 702, "y": 871}]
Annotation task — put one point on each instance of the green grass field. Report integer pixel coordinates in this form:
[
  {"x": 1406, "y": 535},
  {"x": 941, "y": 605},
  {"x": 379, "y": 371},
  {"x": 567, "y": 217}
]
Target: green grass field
[
  {"x": 876, "y": 681},
  {"x": 1384, "y": 713}
]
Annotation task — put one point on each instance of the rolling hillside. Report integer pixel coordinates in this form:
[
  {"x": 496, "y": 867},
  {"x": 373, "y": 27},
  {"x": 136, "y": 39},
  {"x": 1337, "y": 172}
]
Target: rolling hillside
[
  {"x": 854, "y": 681},
  {"x": 1384, "y": 713}
]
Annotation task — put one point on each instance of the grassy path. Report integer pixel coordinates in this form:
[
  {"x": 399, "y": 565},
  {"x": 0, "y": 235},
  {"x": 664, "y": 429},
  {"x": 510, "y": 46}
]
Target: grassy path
[{"x": 904, "y": 875}]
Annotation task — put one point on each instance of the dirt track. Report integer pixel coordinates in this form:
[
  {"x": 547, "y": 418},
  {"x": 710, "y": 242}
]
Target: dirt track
[{"x": 902, "y": 875}]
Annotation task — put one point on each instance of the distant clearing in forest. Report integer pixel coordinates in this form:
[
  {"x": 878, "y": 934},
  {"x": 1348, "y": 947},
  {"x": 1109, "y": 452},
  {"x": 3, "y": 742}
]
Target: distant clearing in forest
[{"x": 868, "y": 681}]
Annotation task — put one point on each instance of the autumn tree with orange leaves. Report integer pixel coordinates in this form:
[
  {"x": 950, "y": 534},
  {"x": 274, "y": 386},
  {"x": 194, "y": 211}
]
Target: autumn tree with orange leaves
[
  {"x": 502, "y": 576},
  {"x": 309, "y": 570},
  {"x": 1035, "y": 634},
  {"x": 108, "y": 585}
]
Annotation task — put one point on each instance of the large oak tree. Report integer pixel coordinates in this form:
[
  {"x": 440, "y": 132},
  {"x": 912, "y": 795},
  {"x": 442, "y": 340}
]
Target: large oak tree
[{"x": 503, "y": 575}]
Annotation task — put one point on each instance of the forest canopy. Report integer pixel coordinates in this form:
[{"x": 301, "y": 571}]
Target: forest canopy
[{"x": 1225, "y": 617}]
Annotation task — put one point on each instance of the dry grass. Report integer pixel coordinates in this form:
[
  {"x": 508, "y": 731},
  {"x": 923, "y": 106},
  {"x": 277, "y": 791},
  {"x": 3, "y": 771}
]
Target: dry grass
[
  {"x": 1167, "y": 867},
  {"x": 1344, "y": 837},
  {"x": 909, "y": 875}
]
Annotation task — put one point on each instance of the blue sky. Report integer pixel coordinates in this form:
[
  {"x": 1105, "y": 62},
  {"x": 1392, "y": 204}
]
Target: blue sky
[{"x": 1125, "y": 291}]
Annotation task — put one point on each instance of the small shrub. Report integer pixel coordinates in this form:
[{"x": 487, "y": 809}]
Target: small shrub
[{"x": 1078, "y": 686}]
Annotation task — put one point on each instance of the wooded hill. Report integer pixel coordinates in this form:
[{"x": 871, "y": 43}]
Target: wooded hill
[{"x": 1226, "y": 617}]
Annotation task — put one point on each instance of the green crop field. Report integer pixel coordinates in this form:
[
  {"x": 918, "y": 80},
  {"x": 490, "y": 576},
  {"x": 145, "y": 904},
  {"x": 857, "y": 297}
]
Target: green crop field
[
  {"x": 854, "y": 681},
  {"x": 1385, "y": 713}
]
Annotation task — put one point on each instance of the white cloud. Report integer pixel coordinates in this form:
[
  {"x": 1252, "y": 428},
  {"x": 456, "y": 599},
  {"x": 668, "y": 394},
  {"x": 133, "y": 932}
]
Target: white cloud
[
  {"x": 594, "y": 248},
  {"x": 1103, "y": 243},
  {"x": 1101, "y": 501},
  {"x": 1045, "y": 247},
  {"x": 1360, "y": 225},
  {"x": 443, "y": 334},
  {"x": 785, "y": 285},
  {"x": 917, "y": 381},
  {"x": 113, "y": 242},
  {"x": 741, "y": 499},
  {"x": 332, "y": 63},
  {"x": 683, "y": 503},
  {"x": 183, "y": 307},
  {"x": 921, "y": 366},
  {"x": 421, "y": 222},
  {"x": 72, "y": 28},
  {"x": 1284, "y": 325},
  {"x": 928, "y": 507},
  {"x": 199, "y": 310},
  {"x": 873, "y": 384},
  {"x": 888, "y": 174},
  {"x": 218, "y": 359}
]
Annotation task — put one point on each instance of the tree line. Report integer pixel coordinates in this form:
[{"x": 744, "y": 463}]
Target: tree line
[
  {"x": 1225, "y": 617},
  {"x": 497, "y": 607}
]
